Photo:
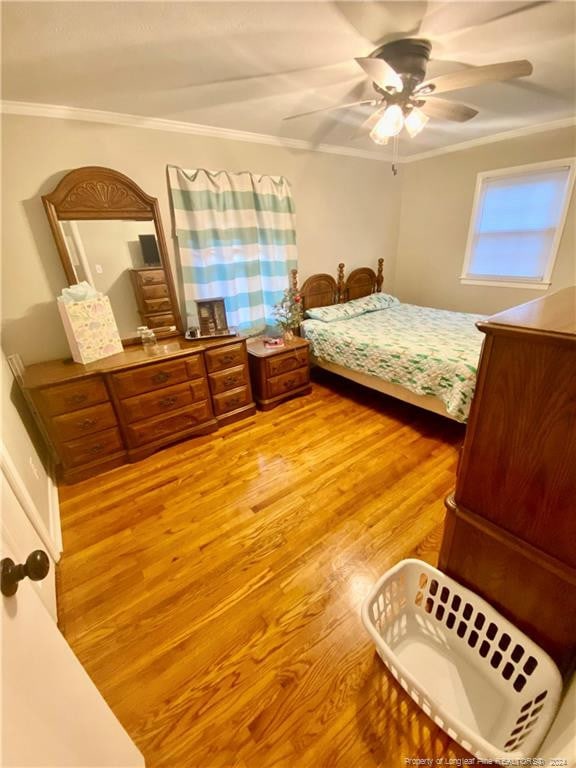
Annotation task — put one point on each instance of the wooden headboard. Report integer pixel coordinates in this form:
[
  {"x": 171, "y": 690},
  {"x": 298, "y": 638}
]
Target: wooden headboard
[{"x": 322, "y": 289}]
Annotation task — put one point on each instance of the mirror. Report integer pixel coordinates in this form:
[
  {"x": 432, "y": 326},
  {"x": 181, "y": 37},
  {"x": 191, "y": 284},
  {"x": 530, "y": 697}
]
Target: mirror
[{"x": 108, "y": 232}]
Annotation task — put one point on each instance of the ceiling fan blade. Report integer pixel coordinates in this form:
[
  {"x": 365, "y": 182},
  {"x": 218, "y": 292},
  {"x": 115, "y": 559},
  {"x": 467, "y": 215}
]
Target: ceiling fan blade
[
  {"x": 467, "y": 78},
  {"x": 330, "y": 109},
  {"x": 381, "y": 73},
  {"x": 448, "y": 110}
]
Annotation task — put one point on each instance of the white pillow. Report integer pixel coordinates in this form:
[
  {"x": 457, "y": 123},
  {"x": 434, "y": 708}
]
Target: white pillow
[{"x": 354, "y": 308}]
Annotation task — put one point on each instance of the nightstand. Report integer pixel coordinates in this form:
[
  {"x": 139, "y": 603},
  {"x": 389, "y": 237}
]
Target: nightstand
[{"x": 278, "y": 374}]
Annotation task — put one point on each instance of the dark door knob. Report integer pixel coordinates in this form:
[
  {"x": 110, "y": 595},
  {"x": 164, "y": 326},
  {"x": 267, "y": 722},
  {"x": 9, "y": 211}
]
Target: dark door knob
[{"x": 36, "y": 568}]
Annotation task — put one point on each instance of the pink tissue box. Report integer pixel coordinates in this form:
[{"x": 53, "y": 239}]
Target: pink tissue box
[{"x": 90, "y": 328}]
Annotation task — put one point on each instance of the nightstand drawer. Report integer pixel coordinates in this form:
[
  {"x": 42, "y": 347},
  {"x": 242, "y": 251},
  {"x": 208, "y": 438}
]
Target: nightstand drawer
[
  {"x": 156, "y": 429},
  {"x": 229, "y": 401},
  {"x": 287, "y": 361},
  {"x": 280, "y": 385},
  {"x": 87, "y": 449},
  {"x": 224, "y": 357},
  {"x": 71, "y": 397},
  {"x": 163, "y": 401},
  {"x": 228, "y": 379},
  {"x": 85, "y": 422},
  {"x": 149, "y": 377}
]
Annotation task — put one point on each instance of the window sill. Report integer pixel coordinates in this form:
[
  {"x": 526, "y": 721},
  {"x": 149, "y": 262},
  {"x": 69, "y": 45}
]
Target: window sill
[{"x": 540, "y": 286}]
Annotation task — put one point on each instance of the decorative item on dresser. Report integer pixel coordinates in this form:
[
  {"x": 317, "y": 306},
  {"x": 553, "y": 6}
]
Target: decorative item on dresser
[
  {"x": 511, "y": 526},
  {"x": 279, "y": 373},
  {"x": 127, "y": 406}
]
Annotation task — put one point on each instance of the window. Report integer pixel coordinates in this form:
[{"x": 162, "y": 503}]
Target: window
[{"x": 516, "y": 225}]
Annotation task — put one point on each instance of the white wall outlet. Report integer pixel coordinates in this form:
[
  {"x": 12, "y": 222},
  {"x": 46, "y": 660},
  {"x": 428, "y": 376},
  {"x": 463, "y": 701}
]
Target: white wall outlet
[{"x": 98, "y": 268}]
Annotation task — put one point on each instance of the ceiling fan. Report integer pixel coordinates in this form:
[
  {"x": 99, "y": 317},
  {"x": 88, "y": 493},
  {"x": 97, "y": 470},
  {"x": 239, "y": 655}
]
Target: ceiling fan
[{"x": 405, "y": 99}]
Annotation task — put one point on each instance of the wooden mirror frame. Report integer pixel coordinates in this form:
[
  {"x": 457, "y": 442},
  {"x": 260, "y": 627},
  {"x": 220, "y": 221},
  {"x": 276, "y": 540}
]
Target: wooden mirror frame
[{"x": 99, "y": 194}]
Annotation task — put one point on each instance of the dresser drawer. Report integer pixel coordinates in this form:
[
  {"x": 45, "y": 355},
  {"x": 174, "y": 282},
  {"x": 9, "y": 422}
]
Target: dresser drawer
[
  {"x": 154, "y": 291},
  {"x": 280, "y": 385},
  {"x": 287, "y": 362},
  {"x": 149, "y": 377},
  {"x": 230, "y": 401},
  {"x": 228, "y": 379},
  {"x": 71, "y": 397},
  {"x": 84, "y": 422},
  {"x": 150, "y": 276},
  {"x": 194, "y": 366},
  {"x": 155, "y": 429},
  {"x": 159, "y": 321},
  {"x": 157, "y": 305},
  {"x": 225, "y": 357},
  {"x": 165, "y": 400},
  {"x": 92, "y": 448}
]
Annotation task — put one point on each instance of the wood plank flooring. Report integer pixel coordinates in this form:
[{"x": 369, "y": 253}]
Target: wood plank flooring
[{"x": 213, "y": 591}]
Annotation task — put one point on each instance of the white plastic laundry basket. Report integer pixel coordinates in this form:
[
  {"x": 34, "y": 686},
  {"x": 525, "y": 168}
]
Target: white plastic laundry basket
[{"x": 479, "y": 678}]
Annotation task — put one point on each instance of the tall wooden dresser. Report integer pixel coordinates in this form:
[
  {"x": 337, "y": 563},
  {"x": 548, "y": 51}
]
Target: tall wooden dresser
[{"x": 510, "y": 532}]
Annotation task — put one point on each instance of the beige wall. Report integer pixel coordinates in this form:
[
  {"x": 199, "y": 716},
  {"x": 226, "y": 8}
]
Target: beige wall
[
  {"x": 437, "y": 198},
  {"x": 346, "y": 208}
]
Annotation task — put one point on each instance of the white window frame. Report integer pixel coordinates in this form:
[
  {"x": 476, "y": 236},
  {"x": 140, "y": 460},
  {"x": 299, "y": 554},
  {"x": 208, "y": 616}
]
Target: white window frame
[{"x": 521, "y": 282}]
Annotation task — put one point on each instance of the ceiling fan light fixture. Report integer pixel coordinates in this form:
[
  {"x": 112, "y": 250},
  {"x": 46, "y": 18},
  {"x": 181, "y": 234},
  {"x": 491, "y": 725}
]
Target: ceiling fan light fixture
[
  {"x": 415, "y": 121},
  {"x": 390, "y": 124}
]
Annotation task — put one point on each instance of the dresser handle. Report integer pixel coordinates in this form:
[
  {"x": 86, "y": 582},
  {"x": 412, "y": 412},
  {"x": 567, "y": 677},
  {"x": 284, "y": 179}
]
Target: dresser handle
[
  {"x": 77, "y": 399},
  {"x": 227, "y": 359},
  {"x": 160, "y": 378},
  {"x": 87, "y": 423},
  {"x": 231, "y": 381},
  {"x": 233, "y": 401},
  {"x": 97, "y": 448},
  {"x": 166, "y": 402},
  {"x": 290, "y": 383}
]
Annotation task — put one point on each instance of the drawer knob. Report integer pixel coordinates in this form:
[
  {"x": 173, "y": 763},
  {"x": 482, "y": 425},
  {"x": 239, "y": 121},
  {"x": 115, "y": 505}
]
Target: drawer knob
[
  {"x": 77, "y": 399},
  {"x": 166, "y": 402},
  {"x": 227, "y": 359},
  {"x": 86, "y": 424},
  {"x": 231, "y": 381},
  {"x": 98, "y": 448},
  {"x": 289, "y": 383},
  {"x": 161, "y": 377},
  {"x": 237, "y": 400},
  {"x": 36, "y": 568}
]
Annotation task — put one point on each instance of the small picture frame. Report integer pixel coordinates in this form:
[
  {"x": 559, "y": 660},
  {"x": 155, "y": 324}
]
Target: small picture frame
[{"x": 212, "y": 317}]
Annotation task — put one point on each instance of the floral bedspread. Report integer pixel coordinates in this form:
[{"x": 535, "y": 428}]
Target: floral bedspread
[{"x": 428, "y": 351}]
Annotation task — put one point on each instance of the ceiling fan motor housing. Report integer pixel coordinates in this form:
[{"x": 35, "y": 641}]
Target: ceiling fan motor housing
[{"x": 408, "y": 57}]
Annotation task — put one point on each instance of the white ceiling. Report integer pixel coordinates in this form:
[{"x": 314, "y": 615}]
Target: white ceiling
[{"x": 246, "y": 65}]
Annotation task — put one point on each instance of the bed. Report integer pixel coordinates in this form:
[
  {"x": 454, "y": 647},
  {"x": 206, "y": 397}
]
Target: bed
[{"x": 424, "y": 356}]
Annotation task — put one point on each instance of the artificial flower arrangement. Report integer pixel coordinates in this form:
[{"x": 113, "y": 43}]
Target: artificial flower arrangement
[{"x": 288, "y": 311}]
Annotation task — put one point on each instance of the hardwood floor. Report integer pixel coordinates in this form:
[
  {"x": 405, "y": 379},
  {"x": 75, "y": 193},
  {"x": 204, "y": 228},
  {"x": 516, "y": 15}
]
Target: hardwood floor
[{"x": 213, "y": 591}]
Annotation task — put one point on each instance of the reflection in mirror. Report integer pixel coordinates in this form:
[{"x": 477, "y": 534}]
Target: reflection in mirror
[{"x": 104, "y": 252}]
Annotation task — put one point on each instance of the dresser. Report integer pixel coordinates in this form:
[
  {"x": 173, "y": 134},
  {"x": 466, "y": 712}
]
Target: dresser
[
  {"x": 279, "y": 373},
  {"x": 510, "y": 531},
  {"x": 153, "y": 296},
  {"x": 127, "y": 406}
]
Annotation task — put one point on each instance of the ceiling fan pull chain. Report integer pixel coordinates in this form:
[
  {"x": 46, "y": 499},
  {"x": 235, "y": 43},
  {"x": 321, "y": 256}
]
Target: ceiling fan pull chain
[{"x": 395, "y": 155}]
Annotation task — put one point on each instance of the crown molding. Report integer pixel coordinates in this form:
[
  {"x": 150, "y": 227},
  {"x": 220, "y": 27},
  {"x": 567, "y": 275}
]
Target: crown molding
[
  {"x": 503, "y": 136},
  {"x": 59, "y": 112},
  {"x": 55, "y": 111}
]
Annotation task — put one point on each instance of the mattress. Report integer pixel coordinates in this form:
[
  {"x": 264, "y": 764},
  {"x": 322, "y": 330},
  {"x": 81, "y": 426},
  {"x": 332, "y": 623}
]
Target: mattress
[{"x": 427, "y": 351}]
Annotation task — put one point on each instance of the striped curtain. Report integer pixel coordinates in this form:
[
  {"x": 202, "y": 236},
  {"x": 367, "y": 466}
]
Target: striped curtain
[{"x": 236, "y": 240}]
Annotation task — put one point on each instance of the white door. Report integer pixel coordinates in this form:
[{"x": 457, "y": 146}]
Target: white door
[{"x": 53, "y": 716}]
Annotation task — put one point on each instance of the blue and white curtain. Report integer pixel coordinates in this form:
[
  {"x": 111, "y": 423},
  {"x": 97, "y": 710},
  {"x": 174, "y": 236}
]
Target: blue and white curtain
[{"x": 236, "y": 239}]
